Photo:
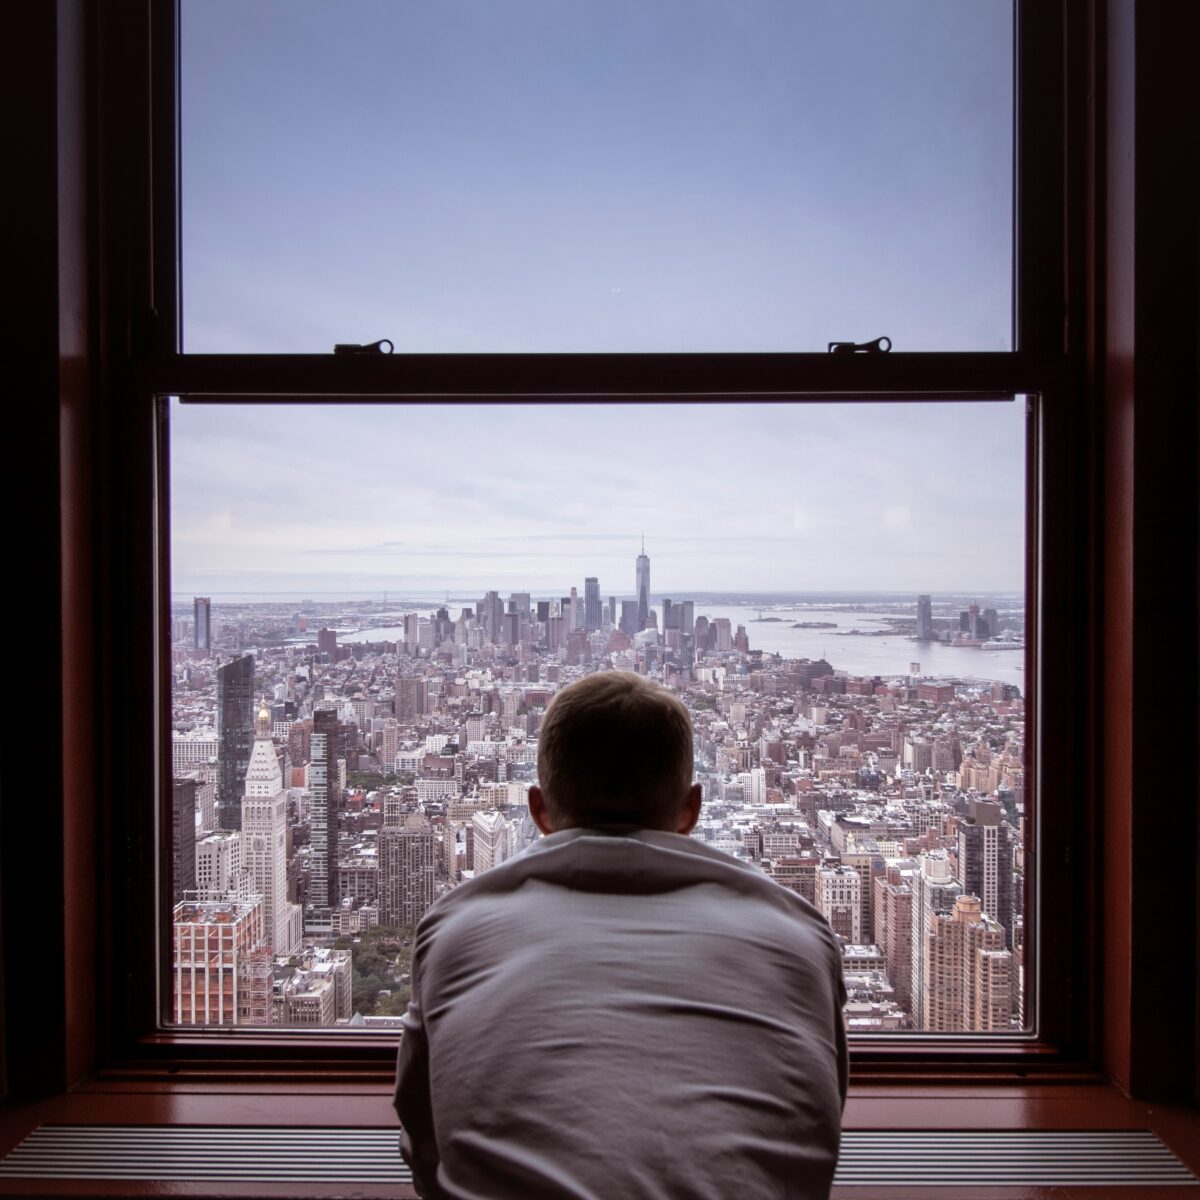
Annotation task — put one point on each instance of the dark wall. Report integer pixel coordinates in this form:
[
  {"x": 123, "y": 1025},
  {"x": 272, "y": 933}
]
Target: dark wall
[{"x": 1146, "y": 223}]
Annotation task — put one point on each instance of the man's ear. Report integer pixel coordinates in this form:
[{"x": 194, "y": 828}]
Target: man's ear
[
  {"x": 690, "y": 813},
  {"x": 537, "y": 810}
]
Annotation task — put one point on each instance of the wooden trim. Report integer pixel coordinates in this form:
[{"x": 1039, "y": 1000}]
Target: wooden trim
[
  {"x": 76, "y": 483},
  {"x": 1146, "y": 338},
  {"x": 1039, "y": 181},
  {"x": 472, "y": 378},
  {"x": 1111, "y": 576},
  {"x": 321, "y": 378}
]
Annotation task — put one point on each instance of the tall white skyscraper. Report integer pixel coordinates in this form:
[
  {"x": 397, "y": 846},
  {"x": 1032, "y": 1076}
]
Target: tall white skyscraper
[
  {"x": 264, "y": 841},
  {"x": 643, "y": 586},
  {"x": 934, "y": 891}
]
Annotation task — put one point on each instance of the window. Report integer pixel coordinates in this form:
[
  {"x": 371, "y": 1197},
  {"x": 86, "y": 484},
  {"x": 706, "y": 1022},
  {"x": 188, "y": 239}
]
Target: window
[
  {"x": 596, "y": 178},
  {"x": 1103, "y": 106},
  {"x": 356, "y": 697},
  {"x": 161, "y": 372}
]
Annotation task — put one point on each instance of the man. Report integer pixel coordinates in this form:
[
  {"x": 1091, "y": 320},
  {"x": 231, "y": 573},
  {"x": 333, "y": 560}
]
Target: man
[{"x": 621, "y": 1011}]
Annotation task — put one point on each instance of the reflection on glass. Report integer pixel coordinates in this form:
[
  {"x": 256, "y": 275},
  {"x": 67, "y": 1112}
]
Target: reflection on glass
[
  {"x": 372, "y": 607},
  {"x": 608, "y": 175}
]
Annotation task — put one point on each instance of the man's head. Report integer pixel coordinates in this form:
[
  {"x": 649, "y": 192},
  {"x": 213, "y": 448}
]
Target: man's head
[{"x": 615, "y": 749}]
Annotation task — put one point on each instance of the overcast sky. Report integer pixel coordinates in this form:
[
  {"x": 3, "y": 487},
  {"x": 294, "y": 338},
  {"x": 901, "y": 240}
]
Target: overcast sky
[
  {"x": 605, "y": 175},
  {"x": 562, "y": 175},
  {"x": 731, "y": 498}
]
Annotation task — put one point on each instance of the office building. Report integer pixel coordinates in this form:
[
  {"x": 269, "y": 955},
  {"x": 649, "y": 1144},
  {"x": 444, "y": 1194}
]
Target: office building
[
  {"x": 219, "y": 862},
  {"x": 629, "y": 617},
  {"x": 183, "y": 836},
  {"x": 202, "y": 623},
  {"x": 221, "y": 966},
  {"x": 490, "y": 842},
  {"x": 264, "y": 842},
  {"x": 642, "y": 588},
  {"x": 924, "y": 619},
  {"x": 324, "y": 799},
  {"x": 408, "y": 858},
  {"x": 319, "y": 993},
  {"x": 934, "y": 891},
  {"x": 985, "y": 861},
  {"x": 411, "y": 696},
  {"x": 968, "y": 973},
  {"x": 235, "y": 734},
  {"x": 839, "y": 897},
  {"x": 593, "y": 610}
]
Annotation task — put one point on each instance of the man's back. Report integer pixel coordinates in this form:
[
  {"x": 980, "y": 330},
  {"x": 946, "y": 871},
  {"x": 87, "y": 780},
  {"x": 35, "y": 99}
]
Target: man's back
[{"x": 624, "y": 1016}]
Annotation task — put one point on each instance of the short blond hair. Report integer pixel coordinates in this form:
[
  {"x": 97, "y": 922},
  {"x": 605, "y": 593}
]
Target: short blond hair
[{"x": 615, "y": 749}]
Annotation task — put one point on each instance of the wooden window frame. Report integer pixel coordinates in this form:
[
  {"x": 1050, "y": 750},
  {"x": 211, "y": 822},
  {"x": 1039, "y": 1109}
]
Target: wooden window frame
[{"x": 113, "y": 192}]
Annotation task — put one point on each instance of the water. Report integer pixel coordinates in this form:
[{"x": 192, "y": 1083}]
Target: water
[{"x": 864, "y": 654}]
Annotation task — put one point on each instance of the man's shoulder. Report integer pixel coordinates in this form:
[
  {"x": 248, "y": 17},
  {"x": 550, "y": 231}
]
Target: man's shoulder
[{"x": 642, "y": 862}]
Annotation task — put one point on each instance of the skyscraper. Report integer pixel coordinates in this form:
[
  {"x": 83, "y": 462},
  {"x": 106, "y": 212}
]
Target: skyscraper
[
  {"x": 629, "y": 617},
  {"x": 839, "y": 897},
  {"x": 933, "y": 891},
  {"x": 985, "y": 861},
  {"x": 642, "y": 588},
  {"x": 686, "y": 621},
  {"x": 593, "y": 615},
  {"x": 322, "y": 808},
  {"x": 968, "y": 980},
  {"x": 490, "y": 842},
  {"x": 924, "y": 619},
  {"x": 264, "y": 841},
  {"x": 221, "y": 965},
  {"x": 183, "y": 835},
  {"x": 411, "y": 696},
  {"x": 491, "y": 614},
  {"x": 235, "y": 733},
  {"x": 408, "y": 856},
  {"x": 202, "y": 625}
]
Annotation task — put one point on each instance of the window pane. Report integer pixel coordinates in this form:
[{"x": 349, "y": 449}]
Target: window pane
[
  {"x": 601, "y": 175},
  {"x": 372, "y": 606}
]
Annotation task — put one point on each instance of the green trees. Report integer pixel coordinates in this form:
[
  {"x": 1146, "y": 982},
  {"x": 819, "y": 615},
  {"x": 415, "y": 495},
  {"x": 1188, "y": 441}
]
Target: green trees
[{"x": 381, "y": 959}]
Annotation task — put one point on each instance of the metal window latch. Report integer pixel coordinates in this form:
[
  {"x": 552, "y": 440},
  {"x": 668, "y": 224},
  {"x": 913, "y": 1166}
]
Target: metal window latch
[
  {"x": 879, "y": 346},
  {"x": 365, "y": 348}
]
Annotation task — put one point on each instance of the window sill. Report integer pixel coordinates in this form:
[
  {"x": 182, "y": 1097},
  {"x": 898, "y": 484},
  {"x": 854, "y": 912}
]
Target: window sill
[
  {"x": 911, "y": 1106},
  {"x": 178, "y": 1059}
]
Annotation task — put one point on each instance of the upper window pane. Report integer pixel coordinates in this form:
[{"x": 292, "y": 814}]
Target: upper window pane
[{"x": 596, "y": 175}]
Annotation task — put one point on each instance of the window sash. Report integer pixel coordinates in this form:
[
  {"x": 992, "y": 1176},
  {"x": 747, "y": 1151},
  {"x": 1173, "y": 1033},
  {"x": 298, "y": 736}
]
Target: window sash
[{"x": 1042, "y": 364}]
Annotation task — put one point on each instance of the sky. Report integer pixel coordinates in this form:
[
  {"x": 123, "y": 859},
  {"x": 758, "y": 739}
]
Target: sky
[
  {"x": 781, "y": 498},
  {"x": 596, "y": 175}
]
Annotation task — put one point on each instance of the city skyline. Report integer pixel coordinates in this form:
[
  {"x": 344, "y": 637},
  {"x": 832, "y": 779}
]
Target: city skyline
[
  {"x": 391, "y": 765},
  {"x": 746, "y": 498}
]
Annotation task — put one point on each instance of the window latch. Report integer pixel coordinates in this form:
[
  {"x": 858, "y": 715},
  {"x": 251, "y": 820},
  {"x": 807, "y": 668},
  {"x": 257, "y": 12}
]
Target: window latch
[
  {"x": 365, "y": 348},
  {"x": 880, "y": 345}
]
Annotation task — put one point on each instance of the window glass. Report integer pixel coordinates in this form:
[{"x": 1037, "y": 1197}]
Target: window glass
[
  {"x": 372, "y": 605},
  {"x": 596, "y": 176}
]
